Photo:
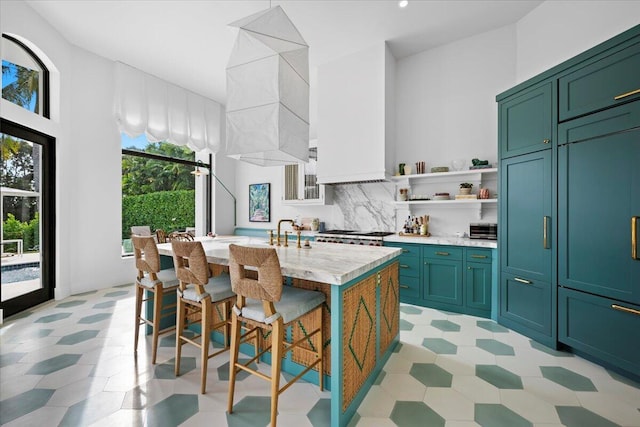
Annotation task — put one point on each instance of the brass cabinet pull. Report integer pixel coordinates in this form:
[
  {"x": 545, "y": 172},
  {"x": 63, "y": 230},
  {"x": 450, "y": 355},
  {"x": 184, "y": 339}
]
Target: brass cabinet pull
[
  {"x": 545, "y": 233},
  {"x": 526, "y": 282},
  {"x": 546, "y": 141},
  {"x": 404, "y": 251},
  {"x": 625, "y": 309},
  {"x": 442, "y": 253},
  {"x": 478, "y": 256},
  {"x": 404, "y": 266},
  {"x": 634, "y": 237},
  {"x": 624, "y": 95},
  {"x": 404, "y": 286}
]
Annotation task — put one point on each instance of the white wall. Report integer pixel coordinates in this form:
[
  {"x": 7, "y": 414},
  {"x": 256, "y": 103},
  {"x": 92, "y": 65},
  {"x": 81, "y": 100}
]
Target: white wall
[
  {"x": 558, "y": 30},
  {"x": 88, "y": 156}
]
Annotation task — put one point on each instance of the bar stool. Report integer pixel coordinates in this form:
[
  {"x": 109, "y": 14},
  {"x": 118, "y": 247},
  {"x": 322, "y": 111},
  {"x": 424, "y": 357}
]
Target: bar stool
[
  {"x": 159, "y": 282},
  {"x": 268, "y": 305},
  {"x": 199, "y": 293}
]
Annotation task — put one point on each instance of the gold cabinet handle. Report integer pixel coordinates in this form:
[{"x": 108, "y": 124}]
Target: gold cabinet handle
[
  {"x": 624, "y": 95},
  {"x": 526, "y": 282},
  {"x": 625, "y": 309},
  {"x": 634, "y": 237},
  {"x": 404, "y": 266},
  {"x": 545, "y": 233},
  {"x": 404, "y": 251},
  {"x": 442, "y": 253},
  {"x": 546, "y": 141},
  {"x": 479, "y": 256},
  {"x": 404, "y": 286}
]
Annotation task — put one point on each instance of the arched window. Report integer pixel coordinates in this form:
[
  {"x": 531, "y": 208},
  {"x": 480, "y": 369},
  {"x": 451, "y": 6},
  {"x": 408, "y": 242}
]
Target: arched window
[{"x": 25, "y": 79}]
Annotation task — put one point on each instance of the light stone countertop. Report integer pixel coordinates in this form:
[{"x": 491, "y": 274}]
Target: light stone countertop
[
  {"x": 324, "y": 262},
  {"x": 443, "y": 240}
]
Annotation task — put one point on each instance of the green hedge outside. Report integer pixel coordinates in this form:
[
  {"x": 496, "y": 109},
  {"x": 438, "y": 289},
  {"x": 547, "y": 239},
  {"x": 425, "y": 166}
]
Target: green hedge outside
[
  {"x": 29, "y": 232},
  {"x": 168, "y": 210}
]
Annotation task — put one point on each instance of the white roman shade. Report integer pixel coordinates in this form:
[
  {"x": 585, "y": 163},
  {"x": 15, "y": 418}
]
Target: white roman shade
[{"x": 164, "y": 111}]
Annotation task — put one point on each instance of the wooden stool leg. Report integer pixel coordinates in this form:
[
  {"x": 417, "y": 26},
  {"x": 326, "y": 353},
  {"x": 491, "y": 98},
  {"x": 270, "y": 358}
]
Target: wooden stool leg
[
  {"x": 139, "y": 293},
  {"x": 277, "y": 337},
  {"x": 321, "y": 352},
  {"x": 157, "y": 309},
  {"x": 233, "y": 358},
  {"x": 204, "y": 342},
  {"x": 180, "y": 315}
]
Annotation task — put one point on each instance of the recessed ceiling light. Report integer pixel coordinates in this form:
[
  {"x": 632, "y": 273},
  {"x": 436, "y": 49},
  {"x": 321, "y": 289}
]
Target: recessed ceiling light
[{"x": 403, "y": 3}]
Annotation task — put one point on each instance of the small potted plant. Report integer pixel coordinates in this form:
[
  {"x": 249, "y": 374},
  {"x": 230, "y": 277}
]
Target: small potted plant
[{"x": 465, "y": 188}]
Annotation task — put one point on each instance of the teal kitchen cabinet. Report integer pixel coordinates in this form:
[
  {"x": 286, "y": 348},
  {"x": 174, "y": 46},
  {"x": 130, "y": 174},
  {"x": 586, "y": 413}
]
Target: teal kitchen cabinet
[
  {"x": 478, "y": 281},
  {"x": 601, "y": 327},
  {"x": 442, "y": 282},
  {"x": 526, "y": 121},
  {"x": 525, "y": 232},
  {"x": 608, "y": 79},
  {"x": 525, "y": 225},
  {"x": 409, "y": 271},
  {"x": 599, "y": 203}
]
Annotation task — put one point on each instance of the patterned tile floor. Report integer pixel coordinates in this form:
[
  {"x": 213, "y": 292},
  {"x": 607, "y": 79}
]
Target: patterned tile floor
[{"x": 71, "y": 363}]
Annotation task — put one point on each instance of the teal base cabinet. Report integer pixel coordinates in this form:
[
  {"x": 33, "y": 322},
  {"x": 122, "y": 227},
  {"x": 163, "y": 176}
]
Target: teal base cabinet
[
  {"x": 453, "y": 278},
  {"x": 606, "y": 329}
]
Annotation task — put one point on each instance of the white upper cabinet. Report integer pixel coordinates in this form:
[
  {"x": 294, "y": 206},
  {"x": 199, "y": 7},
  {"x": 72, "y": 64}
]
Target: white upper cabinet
[{"x": 356, "y": 119}]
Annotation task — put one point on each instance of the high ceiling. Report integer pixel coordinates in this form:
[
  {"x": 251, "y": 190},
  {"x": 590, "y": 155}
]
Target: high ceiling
[{"x": 188, "y": 42}]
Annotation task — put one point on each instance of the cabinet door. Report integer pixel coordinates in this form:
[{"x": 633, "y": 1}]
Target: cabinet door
[
  {"x": 525, "y": 305},
  {"x": 477, "y": 286},
  {"x": 599, "y": 204},
  {"x": 608, "y": 79},
  {"x": 442, "y": 281},
  {"x": 525, "y": 122},
  {"x": 525, "y": 229},
  {"x": 604, "y": 328}
]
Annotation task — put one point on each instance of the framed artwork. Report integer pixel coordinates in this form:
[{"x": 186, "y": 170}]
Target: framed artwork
[{"x": 259, "y": 203}]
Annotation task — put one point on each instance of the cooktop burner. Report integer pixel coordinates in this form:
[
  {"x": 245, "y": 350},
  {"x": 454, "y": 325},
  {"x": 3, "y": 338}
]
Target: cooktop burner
[{"x": 359, "y": 233}]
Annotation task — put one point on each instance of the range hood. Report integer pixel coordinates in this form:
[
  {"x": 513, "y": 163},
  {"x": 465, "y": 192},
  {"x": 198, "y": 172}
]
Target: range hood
[{"x": 356, "y": 118}]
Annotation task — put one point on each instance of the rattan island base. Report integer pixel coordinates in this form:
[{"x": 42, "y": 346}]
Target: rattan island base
[{"x": 361, "y": 313}]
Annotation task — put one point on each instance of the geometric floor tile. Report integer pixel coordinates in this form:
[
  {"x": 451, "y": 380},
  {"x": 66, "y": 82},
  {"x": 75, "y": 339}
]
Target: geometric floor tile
[
  {"x": 548, "y": 350},
  {"x": 440, "y": 346},
  {"x": 415, "y": 414},
  {"x": 173, "y": 410},
  {"x": 91, "y": 409},
  {"x": 106, "y": 304},
  {"x": 577, "y": 416},
  {"x": 116, "y": 294},
  {"x": 77, "y": 337},
  {"x": 10, "y": 358},
  {"x": 24, "y": 403},
  {"x": 495, "y": 347},
  {"x": 409, "y": 309},
  {"x": 320, "y": 414},
  {"x": 567, "y": 378},
  {"x": 380, "y": 378},
  {"x": 250, "y": 411},
  {"x": 491, "y": 326},
  {"x": 496, "y": 415},
  {"x": 431, "y": 375},
  {"x": 54, "y": 364},
  {"x": 445, "y": 325},
  {"x": 405, "y": 326},
  {"x": 52, "y": 318},
  {"x": 95, "y": 318},
  {"x": 166, "y": 370},
  {"x": 499, "y": 377},
  {"x": 72, "y": 303}
]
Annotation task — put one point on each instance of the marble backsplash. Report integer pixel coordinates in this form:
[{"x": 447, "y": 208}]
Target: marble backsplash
[{"x": 364, "y": 206}]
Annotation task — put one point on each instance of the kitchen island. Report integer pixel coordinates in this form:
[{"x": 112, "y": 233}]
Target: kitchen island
[{"x": 361, "y": 315}]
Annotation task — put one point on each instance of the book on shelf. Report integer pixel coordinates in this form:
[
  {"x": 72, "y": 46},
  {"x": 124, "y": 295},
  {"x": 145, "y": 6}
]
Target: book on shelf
[{"x": 466, "y": 196}]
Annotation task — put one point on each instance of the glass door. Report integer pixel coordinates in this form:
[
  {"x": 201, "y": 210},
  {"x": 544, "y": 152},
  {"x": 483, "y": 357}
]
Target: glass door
[{"x": 28, "y": 218}]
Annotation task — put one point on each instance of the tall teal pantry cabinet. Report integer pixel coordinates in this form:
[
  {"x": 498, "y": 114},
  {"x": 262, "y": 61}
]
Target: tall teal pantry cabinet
[{"x": 569, "y": 205}]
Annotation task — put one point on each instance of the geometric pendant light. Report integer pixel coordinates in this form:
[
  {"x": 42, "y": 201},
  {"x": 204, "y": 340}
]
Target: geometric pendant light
[{"x": 267, "y": 115}]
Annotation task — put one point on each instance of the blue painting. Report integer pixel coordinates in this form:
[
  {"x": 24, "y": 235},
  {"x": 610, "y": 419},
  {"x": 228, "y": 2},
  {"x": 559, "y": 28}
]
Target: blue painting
[{"x": 259, "y": 203}]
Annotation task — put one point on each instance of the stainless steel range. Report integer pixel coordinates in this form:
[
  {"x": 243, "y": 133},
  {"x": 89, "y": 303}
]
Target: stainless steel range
[{"x": 352, "y": 237}]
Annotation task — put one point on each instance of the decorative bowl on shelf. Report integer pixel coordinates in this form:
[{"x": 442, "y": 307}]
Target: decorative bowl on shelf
[
  {"x": 458, "y": 164},
  {"x": 441, "y": 196},
  {"x": 439, "y": 169}
]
